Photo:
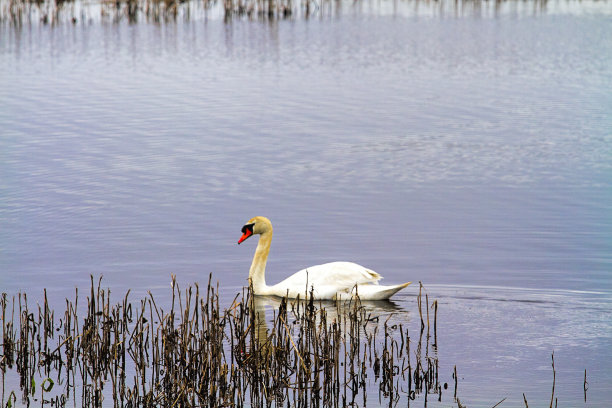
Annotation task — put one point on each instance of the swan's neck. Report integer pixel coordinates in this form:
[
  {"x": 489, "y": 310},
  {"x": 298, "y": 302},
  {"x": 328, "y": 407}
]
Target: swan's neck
[{"x": 257, "y": 274}]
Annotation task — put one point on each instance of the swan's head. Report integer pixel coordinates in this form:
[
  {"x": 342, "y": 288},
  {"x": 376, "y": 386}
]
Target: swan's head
[{"x": 256, "y": 225}]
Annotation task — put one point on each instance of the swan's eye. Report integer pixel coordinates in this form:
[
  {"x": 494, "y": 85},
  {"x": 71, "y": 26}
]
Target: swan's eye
[{"x": 248, "y": 227}]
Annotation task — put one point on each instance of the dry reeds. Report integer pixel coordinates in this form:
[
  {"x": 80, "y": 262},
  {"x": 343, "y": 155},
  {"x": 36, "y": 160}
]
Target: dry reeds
[
  {"x": 55, "y": 12},
  {"x": 195, "y": 354}
]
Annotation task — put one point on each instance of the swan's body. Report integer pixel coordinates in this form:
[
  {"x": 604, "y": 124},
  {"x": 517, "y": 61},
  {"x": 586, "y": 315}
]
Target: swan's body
[{"x": 335, "y": 280}]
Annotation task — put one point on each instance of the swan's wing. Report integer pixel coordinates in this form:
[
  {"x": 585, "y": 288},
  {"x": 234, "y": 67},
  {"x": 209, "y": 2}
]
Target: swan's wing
[{"x": 335, "y": 276}]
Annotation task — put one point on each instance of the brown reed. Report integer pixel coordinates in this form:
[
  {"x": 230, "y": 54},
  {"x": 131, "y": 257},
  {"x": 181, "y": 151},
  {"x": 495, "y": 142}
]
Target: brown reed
[
  {"x": 196, "y": 354},
  {"x": 57, "y": 12}
]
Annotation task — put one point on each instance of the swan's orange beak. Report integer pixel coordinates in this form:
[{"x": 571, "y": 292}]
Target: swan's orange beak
[{"x": 247, "y": 233}]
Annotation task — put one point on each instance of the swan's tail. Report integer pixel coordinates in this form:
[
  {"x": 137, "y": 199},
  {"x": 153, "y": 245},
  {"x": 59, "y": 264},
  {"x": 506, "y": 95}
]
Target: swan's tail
[{"x": 379, "y": 292}]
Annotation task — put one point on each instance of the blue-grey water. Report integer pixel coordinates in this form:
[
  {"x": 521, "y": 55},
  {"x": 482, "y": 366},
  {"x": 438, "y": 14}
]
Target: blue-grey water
[{"x": 464, "y": 145}]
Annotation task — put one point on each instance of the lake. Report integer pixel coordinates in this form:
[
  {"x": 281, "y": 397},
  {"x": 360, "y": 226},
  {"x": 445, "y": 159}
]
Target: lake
[{"x": 466, "y": 145}]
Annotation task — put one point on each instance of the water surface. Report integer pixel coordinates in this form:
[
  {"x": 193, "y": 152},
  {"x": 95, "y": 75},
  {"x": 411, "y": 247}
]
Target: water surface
[{"x": 468, "y": 148}]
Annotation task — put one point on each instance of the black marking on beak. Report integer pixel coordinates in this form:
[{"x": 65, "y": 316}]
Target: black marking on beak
[{"x": 248, "y": 227}]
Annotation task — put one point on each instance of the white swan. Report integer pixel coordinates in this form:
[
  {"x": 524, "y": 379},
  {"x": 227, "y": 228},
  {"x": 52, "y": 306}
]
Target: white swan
[{"x": 335, "y": 280}]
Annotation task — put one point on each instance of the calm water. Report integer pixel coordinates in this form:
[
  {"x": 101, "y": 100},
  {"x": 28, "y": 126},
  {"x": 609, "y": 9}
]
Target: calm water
[{"x": 468, "y": 148}]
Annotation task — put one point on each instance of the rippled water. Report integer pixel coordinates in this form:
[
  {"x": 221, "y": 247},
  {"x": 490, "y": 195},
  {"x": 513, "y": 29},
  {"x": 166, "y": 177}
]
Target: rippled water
[{"x": 469, "y": 149}]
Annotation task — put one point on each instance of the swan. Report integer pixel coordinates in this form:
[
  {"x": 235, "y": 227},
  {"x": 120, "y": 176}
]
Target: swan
[{"x": 332, "y": 281}]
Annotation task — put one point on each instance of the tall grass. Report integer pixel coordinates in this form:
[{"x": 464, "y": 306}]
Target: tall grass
[{"x": 194, "y": 353}]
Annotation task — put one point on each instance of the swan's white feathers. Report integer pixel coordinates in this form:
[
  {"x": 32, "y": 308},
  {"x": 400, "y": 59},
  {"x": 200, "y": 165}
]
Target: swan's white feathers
[{"x": 342, "y": 275}]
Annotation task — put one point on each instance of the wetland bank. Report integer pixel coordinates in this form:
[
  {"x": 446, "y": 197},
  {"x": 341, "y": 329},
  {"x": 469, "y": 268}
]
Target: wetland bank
[{"x": 465, "y": 145}]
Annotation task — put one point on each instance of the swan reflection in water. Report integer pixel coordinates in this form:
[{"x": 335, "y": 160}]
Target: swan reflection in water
[
  {"x": 337, "y": 351},
  {"x": 374, "y": 311}
]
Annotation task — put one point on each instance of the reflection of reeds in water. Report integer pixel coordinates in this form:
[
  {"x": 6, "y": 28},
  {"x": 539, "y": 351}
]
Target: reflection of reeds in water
[
  {"x": 195, "y": 354},
  {"x": 18, "y": 12}
]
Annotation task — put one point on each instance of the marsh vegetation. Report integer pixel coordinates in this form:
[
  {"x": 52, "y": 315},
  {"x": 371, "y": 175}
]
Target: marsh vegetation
[
  {"x": 194, "y": 353},
  {"x": 54, "y": 12}
]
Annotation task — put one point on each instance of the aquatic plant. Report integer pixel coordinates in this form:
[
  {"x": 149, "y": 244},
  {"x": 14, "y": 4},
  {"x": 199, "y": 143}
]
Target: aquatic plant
[
  {"x": 56, "y": 12},
  {"x": 196, "y": 354}
]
